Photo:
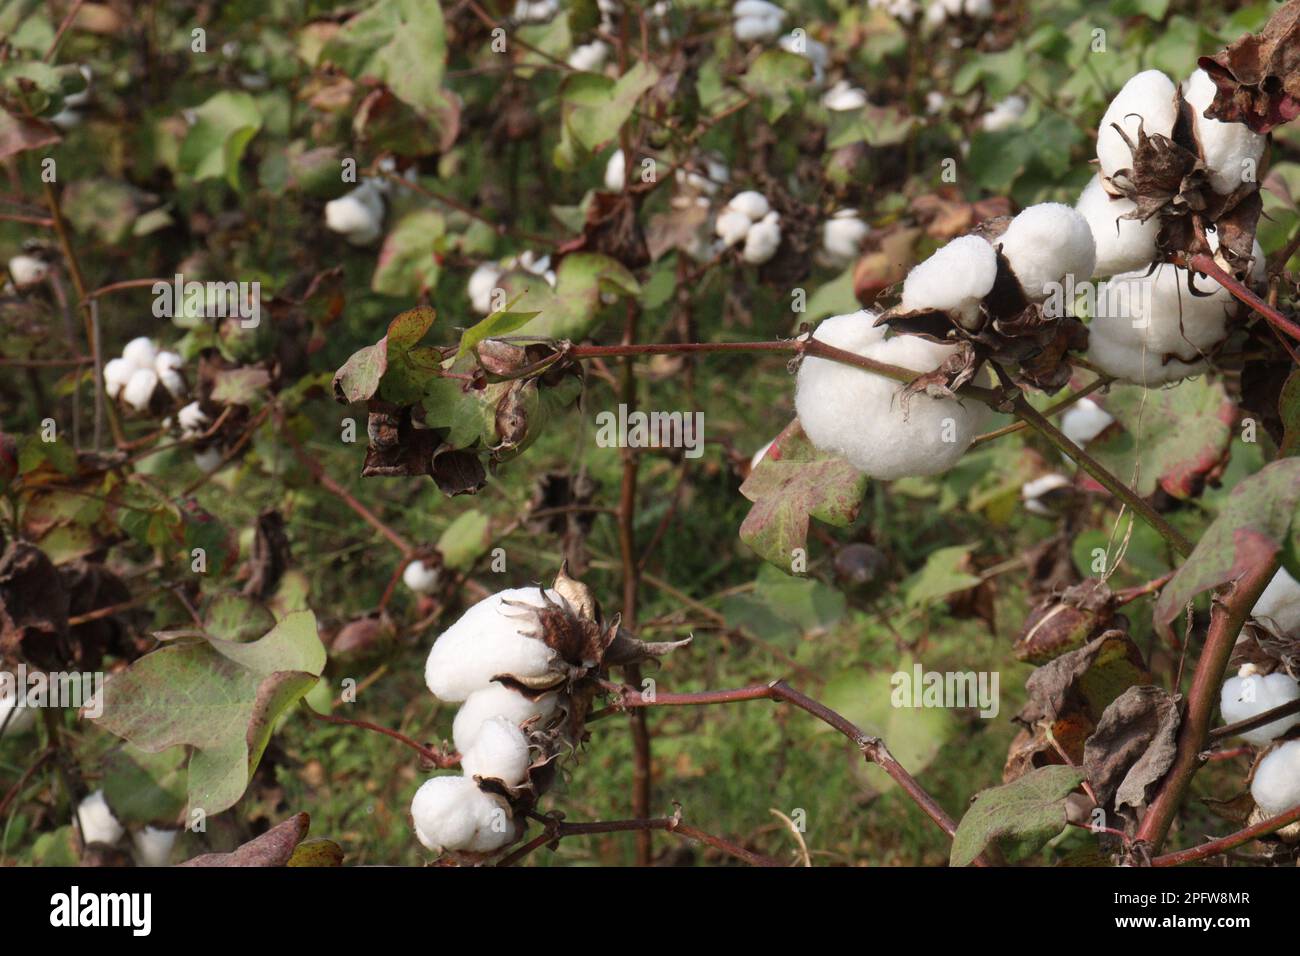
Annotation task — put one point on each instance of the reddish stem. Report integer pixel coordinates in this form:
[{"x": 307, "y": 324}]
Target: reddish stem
[{"x": 1206, "y": 264}]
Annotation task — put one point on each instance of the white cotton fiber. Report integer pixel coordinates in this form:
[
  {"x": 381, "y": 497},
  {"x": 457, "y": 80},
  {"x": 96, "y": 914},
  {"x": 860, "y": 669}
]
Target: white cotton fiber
[
  {"x": 1147, "y": 99},
  {"x": 1046, "y": 243},
  {"x": 842, "y": 97},
  {"x": 861, "y": 416},
  {"x": 763, "y": 239},
  {"x": 732, "y": 226},
  {"x": 28, "y": 270},
  {"x": 589, "y": 57},
  {"x": 359, "y": 215},
  {"x": 482, "y": 282},
  {"x": 752, "y": 204},
  {"x": 1085, "y": 420},
  {"x": 707, "y": 180},
  {"x": 756, "y": 20},
  {"x": 140, "y": 388},
  {"x": 452, "y": 813},
  {"x": 420, "y": 577},
  {"x": 1248, "y": 695},
  {"x": 1278, "y": 608},
  {"x": 1031, "y": 492},
  {"x": 1276, "y": 787},
  {"x": 816, "y": 53},
  {"x": 490, "y": 639},
  {"x": 1231, "y": 149},
  {"x": 192, "y": 420},
  {"x": 1004, "y": 115},
  {"x": 98, "y": 825},
  {"x": 1123, "y": 245},
  {"x": 140, "y": 352},
  {"x": 208, "y": 460},
  {"x": 496, "y": 700},
  {"x": 500, "y": 751},
  {"x": 153, "y": 847},
  {"x": 954, "y": 279},
  {"x": 842, "y": 236},
  {"x": 168, "y": 367},
  {"x": 117, "y": 372},
  {"x": 615, "y": 171}
]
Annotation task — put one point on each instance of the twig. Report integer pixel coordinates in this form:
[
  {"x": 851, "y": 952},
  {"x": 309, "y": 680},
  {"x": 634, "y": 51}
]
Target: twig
[
  {"x": 1206, "y": 264},
  {"x": 1259, "y": 720},
  {"x": 438, "y": 758},
  {"x": 1233, "y": 840}
]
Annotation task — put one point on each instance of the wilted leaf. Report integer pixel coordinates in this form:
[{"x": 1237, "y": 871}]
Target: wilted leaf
[
  {"x": 275, "y": 847},
  {"x": 1133, "y": 747},
  {"x": 1018, "y": 818}
]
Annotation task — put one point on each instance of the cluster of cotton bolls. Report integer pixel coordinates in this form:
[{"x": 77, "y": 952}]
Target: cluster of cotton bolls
[
  {"x": 483, "y": 281},
  {"x": 491, "y": 639},
  {"x": 142, "y": 368},
  {"x": 941, "y": 11},
  {"x": 749, "y": 220},
  {"x": 536, "y": 11},
  {"x": 95, "y": 820}
]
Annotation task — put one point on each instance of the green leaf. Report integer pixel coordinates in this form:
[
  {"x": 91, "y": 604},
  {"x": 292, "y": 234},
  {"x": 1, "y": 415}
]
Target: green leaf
[
  {"x": 464, "y": 540},
  {"x": 496, "y": 324},
  {"x": 401, "y": 43},
  {"x": 408, "y": 262},
  {"x": 778, "y": 77},
  {"x": 145, "y": 787},
  {"x": 215, "y": 144},
  {"x": 219, "y": 697},
  {"x": 569, "y": 310},
  {"x": 873, "y": 125},
  {"x": 359, "y": 377},
  {"x": 794, "y": 482},
  {"x": 945, "y": 572},
  {"x": 594, "y": 107},
  {"x": 235, "y": 617},
  {"x": 1019, "y": 818},
  {"x": 1288, "y": 406}
]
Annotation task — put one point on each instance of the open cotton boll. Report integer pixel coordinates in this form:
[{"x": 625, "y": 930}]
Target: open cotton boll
[
  {"x": 732, "y": 226},
  {"x": 862, "y": 416},
  {"x": 1248, "y": 695},
  {"x": 192, "y": 419},
  {"x": 756, "y": 20},
  {"x": 168, "y": 367},
  {"x": 1231, "y": 149},
  {"x": 762, "y": 240},
  {"x": 496, "y": 700},
  {"x": 589, "y": 57},
  {"x": 452, "y": 813},
  {"x": 140, "y": 388},
  {"x": 481, "y": 283},
  {"x": 752, "y": 204},
  {"x": 842, "y": 97},
  {"x": 500, "y": 751},
  {"x": 1085, "y": 420},
  {"x": 1276, "y": 787},
  {"x": 1123, "y": 245},
  {"x": 1004, "y": 114},
  {"x": 487, "y": 641},
  {"x": 1032, "y": 492},
  {"x": 117, "y": 372},
  {"x": 358, "y": 216},
  {"x": 1046, "y": 243},
  {"x": 27, "y": 270},
  {"x": 153, "y": 847},
  {"x": 954, "y": 279},
  {"x": 420, "y": 577},
  {"x": 615, "y": 172},
  {"x": 708, "y": 180},
  {"x": 1278, "y": 608},
  {"x": 1147, "y": 99},
  {"x": 842, "y": 236},
  {"x": 140, "y": 352},
  {"x": 538, "y": 11},
  {"x": 208, "y": 460},
  {"x": 96, "y": 820}
]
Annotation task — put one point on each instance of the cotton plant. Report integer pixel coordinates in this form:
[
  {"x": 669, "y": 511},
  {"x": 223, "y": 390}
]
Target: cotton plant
[
  {"x": 136, "y": 375},
  {"x": 1123, "y": 244},
  {"x": 28, "y": 271},
  {"x": 705, "y": 176},
  {"x": 843, "y": 97},
  {"x": 96, "y": 821}
]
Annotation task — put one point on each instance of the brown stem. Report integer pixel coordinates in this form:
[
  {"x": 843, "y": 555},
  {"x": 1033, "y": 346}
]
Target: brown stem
[
  {"x": 438, "y": 758},
  {"x": 1259, "y": 720},
  {"x": 1048, "y": 412},
  {"x": 1229, "y": 842},
  {"x": 1231, "y": 608},
  {"x": 1206, "y": 264}
]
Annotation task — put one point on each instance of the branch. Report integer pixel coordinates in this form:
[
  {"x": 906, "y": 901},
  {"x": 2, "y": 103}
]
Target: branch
[
  {"x": 1206, "y": 264},
  {"x": 1259, "y": 720},
  {"x": 438, "y": 758},
  {"x": 1226, "y": 620},
  {"x": 1233, "y": 840}
]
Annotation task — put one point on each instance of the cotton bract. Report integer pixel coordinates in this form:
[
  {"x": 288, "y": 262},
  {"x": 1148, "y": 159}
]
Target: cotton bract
[
  {"x": 1232, "y": 150},
  {"x": 862, "y": 416},
  {"x": 452, "y": 813},
  {"x": 1123, "y": 245},
  {"x": 490, "y": 639},
  {"x": 496, "y": 700},
  {"x": 1147, "y": 99},
  {"x": 500, "y": 752},
  {"x": 98, "y": 825},
  {"x": 1278, "y": 608},
  {"x": 1046, "y": 243},
  {"x": 1248, "y": 695},
  {"x": 1276, "y": 787},
  {"x": 955, "y": 279}
]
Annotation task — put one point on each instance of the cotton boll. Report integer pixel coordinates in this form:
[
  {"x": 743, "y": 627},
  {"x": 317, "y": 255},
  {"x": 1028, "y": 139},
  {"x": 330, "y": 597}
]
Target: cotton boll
[
  {"x": 482, "y": 282},
  {"x": 1276, "y": 787},
  {"x": 96, "y": 820},
  {"x": 615, "y": 171},
  {"x": 168, "y": 367},
  {"x": 1248, "y": 695},
  {"x": 192, "y": 419},
  {"x": 757, "y": 20},
  {"x": 752, "y": 204},
  {"x": 842, "y": 97},
  {"x": 358, "y": 216},
  {"x": 28, "y": 271},
  {"x": 489, "y": 640},
  {"x": 589, "y": 57},
  {"x": 117, "y": 372},
  {"x": 420, "y": 577},
  {"x": 1085, "y": 420},
  {"x": 140, "y": 388},
  {"x": 500, "y": 751},
  {"x": 1004, "y": 115},
  {"x": 978, "y": 9},
  {"x": 496, "y": 700},
  {"x": 452, "y": 813},
  {"x": 1123, "y": 245},
  {"x": 153, "y": 847},
  {"x": 1278, "y": 608},
  {"x": 842, "y": 236},
  {"x": 954, "y": 279},
  {"x": 208, "y": 460},
  {"x": 1046, "y": 243},
  {"x": 762, "y": 240},
  {"x": 1147, "y": 99},
  {"x": 1032, "y": 493},
  {"x": 862, "y": 417},
  {"x": 140, "y": 352},
  {"x": 1231, "y": 149},
  {"x": 732, "y": 226}
]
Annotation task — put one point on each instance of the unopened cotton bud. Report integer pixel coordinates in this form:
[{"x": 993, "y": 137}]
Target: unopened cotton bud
[
  {"x": 492, "y": 638},
  {"x": 497, "y": 700},
  {"x": 1046, "y": 243},
  {"x": 28, "y": 271},
  {"x": 955, "y": 279},
  {"x": 1249, "y": 695},
  {"x": 452, "y": 813},
  {"x": 1276, "y": 787},
  {"x": 1146, "y": 100},
  {"x": 420, "y": 577},
  {"x": 96, "y": 820},
  {"x": 500, "y": 752},
  {"x": 140, "y": 388}
]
